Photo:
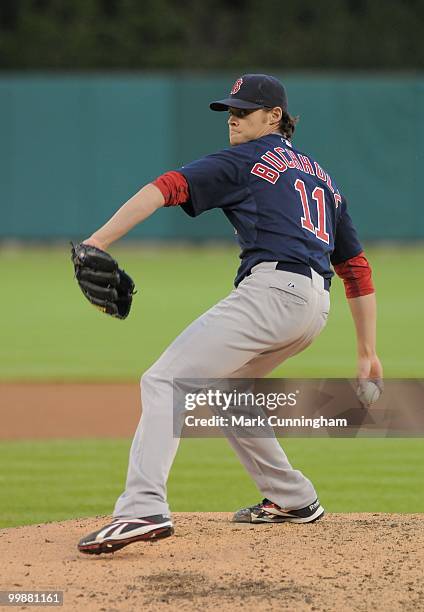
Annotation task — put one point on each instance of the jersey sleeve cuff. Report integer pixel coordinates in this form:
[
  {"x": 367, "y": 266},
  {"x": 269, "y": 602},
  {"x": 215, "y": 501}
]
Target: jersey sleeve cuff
[
  {"x": 174, "y": 188},
  {"x": 356, "y": 274}
]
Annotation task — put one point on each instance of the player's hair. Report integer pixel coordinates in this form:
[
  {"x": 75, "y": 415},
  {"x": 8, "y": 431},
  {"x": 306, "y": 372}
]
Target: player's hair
[{"x": 287, "y": 124}]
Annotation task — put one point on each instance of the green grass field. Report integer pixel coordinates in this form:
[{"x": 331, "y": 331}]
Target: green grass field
[
  {"x": 50, "y": 332},
  {"x": 62, "y": 479}
]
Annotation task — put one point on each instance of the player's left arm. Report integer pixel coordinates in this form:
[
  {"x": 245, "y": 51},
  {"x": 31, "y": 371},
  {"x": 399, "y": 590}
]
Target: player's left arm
[
  {"x": 210, "y": 182},
  {"x": 169, "y": 189},
  {"x": 138, "y": 208},
  {"x": 108, "y": 287}
]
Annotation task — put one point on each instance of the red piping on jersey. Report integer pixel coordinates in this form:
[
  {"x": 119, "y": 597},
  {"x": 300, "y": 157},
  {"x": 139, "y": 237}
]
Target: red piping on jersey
[
  {"x": 174, "y": 188},
  {"x": 356, "y": 274}
]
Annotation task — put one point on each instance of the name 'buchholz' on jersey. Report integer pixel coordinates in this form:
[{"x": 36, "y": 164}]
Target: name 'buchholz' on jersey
[
  {"x": 282, "y": 204},
  {"x": 280, "y": 159}
]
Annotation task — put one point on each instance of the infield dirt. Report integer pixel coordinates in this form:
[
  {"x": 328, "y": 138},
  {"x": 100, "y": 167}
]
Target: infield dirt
[
  {"x": 357, "y": 562},
  {"x": 344, "y": 562}
]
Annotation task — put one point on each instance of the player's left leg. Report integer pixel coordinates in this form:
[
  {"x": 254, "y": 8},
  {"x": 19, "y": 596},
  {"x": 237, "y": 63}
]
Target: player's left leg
[{"x": 212, "y": 346}]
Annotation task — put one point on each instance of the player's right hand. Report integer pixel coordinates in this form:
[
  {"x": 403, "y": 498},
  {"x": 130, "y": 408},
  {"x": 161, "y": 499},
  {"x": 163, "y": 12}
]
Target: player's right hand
[
  {"x": 370, "y": 380},
  {"x": 370, "y": 368}
]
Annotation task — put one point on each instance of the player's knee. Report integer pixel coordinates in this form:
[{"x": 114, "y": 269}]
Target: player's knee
[
  {"x": 154, "y": 383},
  {"x": 158, "y": 386},
  {"x": 147, "y": 381}
]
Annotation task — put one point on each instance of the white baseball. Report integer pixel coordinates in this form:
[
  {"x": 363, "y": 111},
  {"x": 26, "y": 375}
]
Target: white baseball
[{"x": 368, "y": 392}]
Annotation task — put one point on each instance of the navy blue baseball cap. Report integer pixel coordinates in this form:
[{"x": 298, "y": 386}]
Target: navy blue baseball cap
[{"x": 253, "y": 91}]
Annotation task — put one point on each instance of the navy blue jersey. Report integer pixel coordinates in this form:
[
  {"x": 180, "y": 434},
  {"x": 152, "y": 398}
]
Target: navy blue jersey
[{"x": 282, "y": 204}]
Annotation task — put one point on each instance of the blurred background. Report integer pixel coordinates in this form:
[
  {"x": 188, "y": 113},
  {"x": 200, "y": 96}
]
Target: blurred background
[{"x": 98, "y": 97}]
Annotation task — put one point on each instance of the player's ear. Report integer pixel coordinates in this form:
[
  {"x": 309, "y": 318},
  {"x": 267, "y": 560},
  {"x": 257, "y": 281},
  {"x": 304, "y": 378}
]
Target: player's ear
[{"x": 276, "y": 114}]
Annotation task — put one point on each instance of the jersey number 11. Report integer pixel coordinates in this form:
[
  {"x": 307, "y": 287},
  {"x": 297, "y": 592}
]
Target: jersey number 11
[{"x": 306, "y": 221}]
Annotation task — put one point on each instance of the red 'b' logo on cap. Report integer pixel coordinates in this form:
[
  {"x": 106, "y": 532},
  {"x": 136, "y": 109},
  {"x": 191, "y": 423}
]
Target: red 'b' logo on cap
[{"x": 236, "y": 86}]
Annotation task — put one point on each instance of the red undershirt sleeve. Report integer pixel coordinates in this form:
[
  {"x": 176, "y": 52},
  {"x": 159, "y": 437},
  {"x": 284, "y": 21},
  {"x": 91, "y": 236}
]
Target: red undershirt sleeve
[
  {"x": 356, "y": 274},
  {"x": 173, "y": 187}
]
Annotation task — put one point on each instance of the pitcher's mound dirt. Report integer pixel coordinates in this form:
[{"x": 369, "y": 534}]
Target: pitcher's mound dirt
[{"x": 343, "y": 562}]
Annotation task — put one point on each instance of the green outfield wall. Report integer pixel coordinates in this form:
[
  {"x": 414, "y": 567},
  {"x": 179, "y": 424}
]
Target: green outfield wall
[{"x": 74, "y": 147}]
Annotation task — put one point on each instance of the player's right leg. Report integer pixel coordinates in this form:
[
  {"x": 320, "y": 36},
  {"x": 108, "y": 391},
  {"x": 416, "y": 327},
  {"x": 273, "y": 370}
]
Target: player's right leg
[{"x": 293, "y": 496}]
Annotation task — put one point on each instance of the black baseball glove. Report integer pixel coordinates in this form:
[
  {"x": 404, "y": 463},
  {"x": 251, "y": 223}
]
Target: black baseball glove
[{"x": 103, "y": 283}]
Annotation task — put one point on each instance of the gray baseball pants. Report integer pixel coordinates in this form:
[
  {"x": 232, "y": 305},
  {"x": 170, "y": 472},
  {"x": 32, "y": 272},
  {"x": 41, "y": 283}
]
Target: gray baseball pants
[{"x": 272, "y": 315}]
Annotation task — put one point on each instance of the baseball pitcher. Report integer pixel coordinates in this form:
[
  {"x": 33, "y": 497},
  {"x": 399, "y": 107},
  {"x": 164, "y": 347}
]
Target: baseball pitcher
[{"x": 293, "y": 227}]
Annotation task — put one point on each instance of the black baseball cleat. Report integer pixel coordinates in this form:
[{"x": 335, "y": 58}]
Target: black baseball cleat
[
  {"x": 122, "y": 532},
  {"x": 268, "y": 512}
]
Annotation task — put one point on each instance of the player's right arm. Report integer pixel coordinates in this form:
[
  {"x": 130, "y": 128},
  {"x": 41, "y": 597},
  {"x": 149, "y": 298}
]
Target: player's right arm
[
  {"x": 352, "y": 267},
  {"x": 364, "y": 314}
]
